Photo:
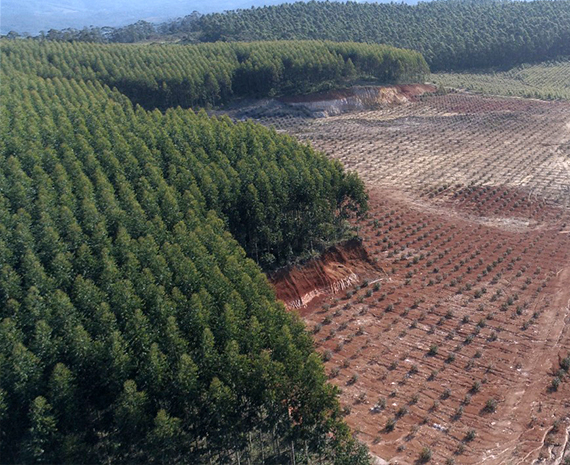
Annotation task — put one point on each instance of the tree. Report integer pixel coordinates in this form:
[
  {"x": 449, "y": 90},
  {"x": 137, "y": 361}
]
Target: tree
[
  {"x": 39, "y": 445},
  {"x": 63, "y": 396},
  {"x": 166, "y": 439},
  {"x": 131, "y": 413}
]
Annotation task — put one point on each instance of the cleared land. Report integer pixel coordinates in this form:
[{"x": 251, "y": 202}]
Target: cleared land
[
  {"x": 442, "y": 143},
  {"x": 454, "y": 344},
  {"x": 545, "y": 81}
]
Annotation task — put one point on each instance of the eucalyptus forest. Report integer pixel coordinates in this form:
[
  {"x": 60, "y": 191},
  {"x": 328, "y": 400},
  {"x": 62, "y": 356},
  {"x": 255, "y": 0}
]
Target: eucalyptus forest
[
  {"x": 451, "y": 34},
  {"x": 137, "y": 325},
  {"x": 161, "y": 184}
]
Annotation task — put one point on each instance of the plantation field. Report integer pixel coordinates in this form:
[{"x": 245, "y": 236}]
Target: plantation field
[
  {"x": 458, "y": 348},
  {"x": 439, "y": 143},
  {"x": 548, "y": 81}
]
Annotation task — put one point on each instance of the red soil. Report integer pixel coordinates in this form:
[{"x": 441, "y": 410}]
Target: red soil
[
  {"x": 499, "y": 203},
  {"x": 335, "y": 270},
  {"x": 477, "y": 294},
  {"x": 413, "y": 91}
]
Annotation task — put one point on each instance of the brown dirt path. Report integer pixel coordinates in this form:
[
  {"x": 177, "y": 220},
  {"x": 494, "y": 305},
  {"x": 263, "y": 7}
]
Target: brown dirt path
[{"x": 529, "y": 396}]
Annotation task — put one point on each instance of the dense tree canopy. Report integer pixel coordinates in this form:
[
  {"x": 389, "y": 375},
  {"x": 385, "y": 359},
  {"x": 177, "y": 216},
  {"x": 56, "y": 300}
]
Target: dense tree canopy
[
  {"x": 133, "y": 327},
  {"x": 450, "y": 34},
  {"x": 163, "y": 76}
]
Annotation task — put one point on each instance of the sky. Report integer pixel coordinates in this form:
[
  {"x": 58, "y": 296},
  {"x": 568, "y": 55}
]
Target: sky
[{"x": 32, "y": 16}]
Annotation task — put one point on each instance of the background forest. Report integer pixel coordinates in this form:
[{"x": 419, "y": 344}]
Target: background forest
[
  {"x": 168, "y": 76},
  {"x": 451, "y": 35}
]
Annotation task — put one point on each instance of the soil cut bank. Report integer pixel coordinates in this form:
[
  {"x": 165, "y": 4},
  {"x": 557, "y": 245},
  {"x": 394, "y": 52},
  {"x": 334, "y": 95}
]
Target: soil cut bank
[
  {"x": 325, "y": 104},
  {"x": 358, "y": 98},
  {"x": 340, "y": 267}
]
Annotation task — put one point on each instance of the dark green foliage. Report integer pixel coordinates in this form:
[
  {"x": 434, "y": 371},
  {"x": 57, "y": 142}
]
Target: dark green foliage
[
  {"x": 450, "y": 34},
  {"x": 164, "y": 76},
  {"x": 133, "y": 327},
  {"x": 279, "y": 199}
]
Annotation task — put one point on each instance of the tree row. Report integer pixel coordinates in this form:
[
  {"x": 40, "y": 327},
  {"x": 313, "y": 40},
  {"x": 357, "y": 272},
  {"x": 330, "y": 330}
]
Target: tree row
[
  {"x": 164, "y": 76},
  {"x": 133, "y": 326},
  {"x": 451, "y": 35}
]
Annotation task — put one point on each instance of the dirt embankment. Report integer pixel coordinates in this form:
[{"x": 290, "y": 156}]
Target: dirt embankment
[
  {"x": 330, "y": 103},
  {"x": 338, "y": 268},
  {"x": 358, "y": 98}
]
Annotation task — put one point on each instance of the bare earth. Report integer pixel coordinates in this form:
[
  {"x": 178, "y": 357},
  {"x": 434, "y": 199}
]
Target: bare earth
[{"x": 469, "y": 303}]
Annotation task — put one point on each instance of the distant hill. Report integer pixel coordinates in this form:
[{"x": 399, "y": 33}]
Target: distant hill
[
  {"x": 33, "y": 16},
  {"x": 451, "y": 35}
]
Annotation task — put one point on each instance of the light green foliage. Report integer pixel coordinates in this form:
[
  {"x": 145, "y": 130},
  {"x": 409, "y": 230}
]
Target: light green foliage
[{"x": 547, "y": 81}]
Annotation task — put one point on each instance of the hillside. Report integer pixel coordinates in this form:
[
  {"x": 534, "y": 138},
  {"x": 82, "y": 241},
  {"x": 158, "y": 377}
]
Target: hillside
[
  {"x": 238, "y": 238},
  {"x": 133, "y": 327},
  {"x": 451, "y": 35},
  {"x": 164, "y": 76}
]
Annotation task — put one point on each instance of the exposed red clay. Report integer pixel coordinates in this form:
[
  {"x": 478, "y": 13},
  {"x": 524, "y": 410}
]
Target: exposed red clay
[
  {"x": 491, "y": 300},
  {"x": 340, "y": 267}
]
